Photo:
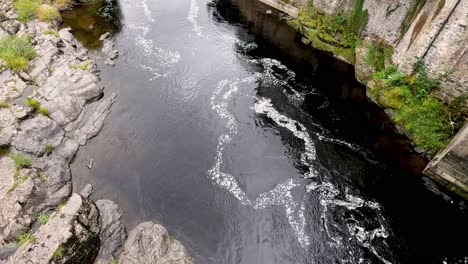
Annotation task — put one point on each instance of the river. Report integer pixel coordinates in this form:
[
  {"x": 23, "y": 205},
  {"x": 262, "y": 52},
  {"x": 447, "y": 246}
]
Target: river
[{"x": 251, "y": 147}]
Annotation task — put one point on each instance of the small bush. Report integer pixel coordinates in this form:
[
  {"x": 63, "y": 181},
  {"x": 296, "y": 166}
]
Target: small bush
[
  {"x": 47, "y": 13},
  {"x": 27, "y": 9},
  {"x": 51, "y": 32},
  {"x": 26, "y": 237},
  {"x": 21, "y": 161},
  {"x": 395, "y": 79},
  {"x": 43, "y": 218},
  {"x": 16, "y": 52}
]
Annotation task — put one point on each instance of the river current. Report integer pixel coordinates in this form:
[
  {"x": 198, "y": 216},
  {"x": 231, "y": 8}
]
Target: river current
[{"x": 251, "y": 147}]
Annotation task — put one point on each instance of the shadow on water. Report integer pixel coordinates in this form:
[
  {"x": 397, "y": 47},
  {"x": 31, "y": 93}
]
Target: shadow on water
[
  {"x": 386, "y": 167},
  {"x": 89, "y": 22},
  {"x": 428, "y": 226}
]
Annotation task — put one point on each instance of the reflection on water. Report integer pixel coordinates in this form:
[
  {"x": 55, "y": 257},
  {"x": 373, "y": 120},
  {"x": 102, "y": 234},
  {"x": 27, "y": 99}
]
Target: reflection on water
[{"x": 89, "y": 22}]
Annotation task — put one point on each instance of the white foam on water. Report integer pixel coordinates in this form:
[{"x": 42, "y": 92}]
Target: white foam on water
[
  {"x": 164, "y": 60},
  {"x": 147, "y": 11},
  {"x": 281, "y": 194},
  {"x": 193, "y": 15}
]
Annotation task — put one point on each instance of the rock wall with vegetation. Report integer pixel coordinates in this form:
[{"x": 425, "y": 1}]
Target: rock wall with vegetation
[{"x": 411, "y": 54}]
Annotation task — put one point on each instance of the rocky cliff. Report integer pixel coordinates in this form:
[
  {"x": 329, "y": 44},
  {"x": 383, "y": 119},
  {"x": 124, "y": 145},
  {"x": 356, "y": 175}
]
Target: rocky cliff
[{"x": 412, "y": 55}]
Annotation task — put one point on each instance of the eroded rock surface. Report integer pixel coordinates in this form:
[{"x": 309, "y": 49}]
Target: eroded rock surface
[
  {"x": 151, "y": 243},
  {"x": 71, "y": 235}
]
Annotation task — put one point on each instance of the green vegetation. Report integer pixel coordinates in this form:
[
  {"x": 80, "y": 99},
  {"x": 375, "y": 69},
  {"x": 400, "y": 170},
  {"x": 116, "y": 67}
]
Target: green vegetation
[
  {"x": 13, "y": 187},
  {"x": 26, "y": 237},
  {"x": 58, "y": 252},
  {"x": 337, "y": 33},
  {"x": 43, "y": 177},
  {"x": 21, "y": 161},
  {"x": 47, "y": 13},
  {"x": 424, "y": 117},
  {"x": 34, "y": 103},
  {"x": 43, "y": 218},
  {"x": 48, "y": 148},
  {"x": 112, "y": 261},
  {"x": 83, "y": 66},
  {"x": 16, "y": 52},
  {"x": 3, "y": 104},
  {"x": 411, "y": 15},
  {"x": 27, "y": 9},
  {"x": 377, "y": 54},
  {"x": 51, "y": 32}
]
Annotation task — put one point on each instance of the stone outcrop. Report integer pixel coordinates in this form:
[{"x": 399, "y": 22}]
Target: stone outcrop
[
  {"x": 112, "y": 233},
  {"x": 450, "y": 166},
  {"x": 71, "y": 235},
  {"x": 150, "y": 243}
]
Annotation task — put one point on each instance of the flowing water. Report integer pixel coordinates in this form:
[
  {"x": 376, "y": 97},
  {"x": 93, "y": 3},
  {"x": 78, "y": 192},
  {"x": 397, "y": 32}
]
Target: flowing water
[{"x": 251, "y": 147}]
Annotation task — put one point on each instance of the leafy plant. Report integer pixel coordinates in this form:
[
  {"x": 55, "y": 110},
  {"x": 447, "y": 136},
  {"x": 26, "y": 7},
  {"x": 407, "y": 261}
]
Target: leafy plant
[
  {"x": 33, "y": 103},
  {"x": 16, "y": 52},
  {"x": 44, "y": 111}
]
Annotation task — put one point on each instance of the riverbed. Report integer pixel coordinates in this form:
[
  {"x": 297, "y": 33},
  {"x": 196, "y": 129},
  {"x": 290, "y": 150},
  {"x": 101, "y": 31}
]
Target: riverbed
[{"x": 251, "y": 147}]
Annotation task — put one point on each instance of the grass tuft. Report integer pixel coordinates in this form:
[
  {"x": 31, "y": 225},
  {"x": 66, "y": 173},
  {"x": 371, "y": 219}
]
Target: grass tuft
[
  {"x": 27, "y": 9},
  {"x": 16, "y": 52},
  {"x": 4, "y": 104},
  {"x": 21, "y": 161},
  {"x": 47, "y": 13},
  {"x": 43, "y": 218},
  {"x": 51, "y": 32},
  {"x": 26, "y": 237}
]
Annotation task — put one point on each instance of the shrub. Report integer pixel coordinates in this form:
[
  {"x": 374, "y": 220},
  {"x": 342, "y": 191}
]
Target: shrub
[
  {"x": 26, "y": 237},
  {"x": 47, "y": 13},
  {"x": 16, "y": 52},
  {"x": 395, "y": 79},
  {"x": 21, "y": 160},
  {"x": 27, "y": 9}
]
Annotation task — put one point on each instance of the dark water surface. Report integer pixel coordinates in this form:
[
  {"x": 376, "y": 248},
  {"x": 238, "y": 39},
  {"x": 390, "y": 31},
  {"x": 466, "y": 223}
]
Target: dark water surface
[{"x": 251, "y": 147}]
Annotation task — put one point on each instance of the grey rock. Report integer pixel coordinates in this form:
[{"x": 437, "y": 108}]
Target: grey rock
[
  {"x": 37, "y": 133},
  {"x": 109, "y": 62},
  {"x": 94, "y": 124},
  {"x": 87, "y": 191},
  {"x": 90, "y": 164},
  {"x": 58, "y": 187},
  {"x": 21, "y": 192},
  {"x": 10, "y": 26},
  {"x": 113, "y": 54},
  {"x": 66, "y": 35},
  {"x": 104, "y": 36},
  {"x": 72, "y": 231},
  {"x": 8, "y": 126},
  {"x": 67, "y": 149},
  {"x": 64, "y": 109},
  {"x": 112, "y": 233},
  {"x": 150, "y": 243}
]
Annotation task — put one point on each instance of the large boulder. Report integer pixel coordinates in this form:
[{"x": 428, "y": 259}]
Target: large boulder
[
  {"x": 112, "y": 234},
  {"x": 150, "y": 243},
  {"x": 71, "y": 235}
]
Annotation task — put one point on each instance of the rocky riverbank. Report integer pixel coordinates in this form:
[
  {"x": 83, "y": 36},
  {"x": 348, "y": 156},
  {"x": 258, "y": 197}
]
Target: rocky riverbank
[{"x": 48, "y": 110}]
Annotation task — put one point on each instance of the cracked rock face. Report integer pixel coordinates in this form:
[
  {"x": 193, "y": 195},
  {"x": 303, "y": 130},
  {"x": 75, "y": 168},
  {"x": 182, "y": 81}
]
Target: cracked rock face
[
  {"x": 151, "y": 243},
  {"x": 71, "y": 235},
  {"x": 36, "y": 134},
  {"x": 21, "y": 191},
  {"x": 112, "y": 234}
]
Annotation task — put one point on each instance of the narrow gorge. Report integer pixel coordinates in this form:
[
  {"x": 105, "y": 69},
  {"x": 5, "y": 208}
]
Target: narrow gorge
[{"x": 233, "y": 131}]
